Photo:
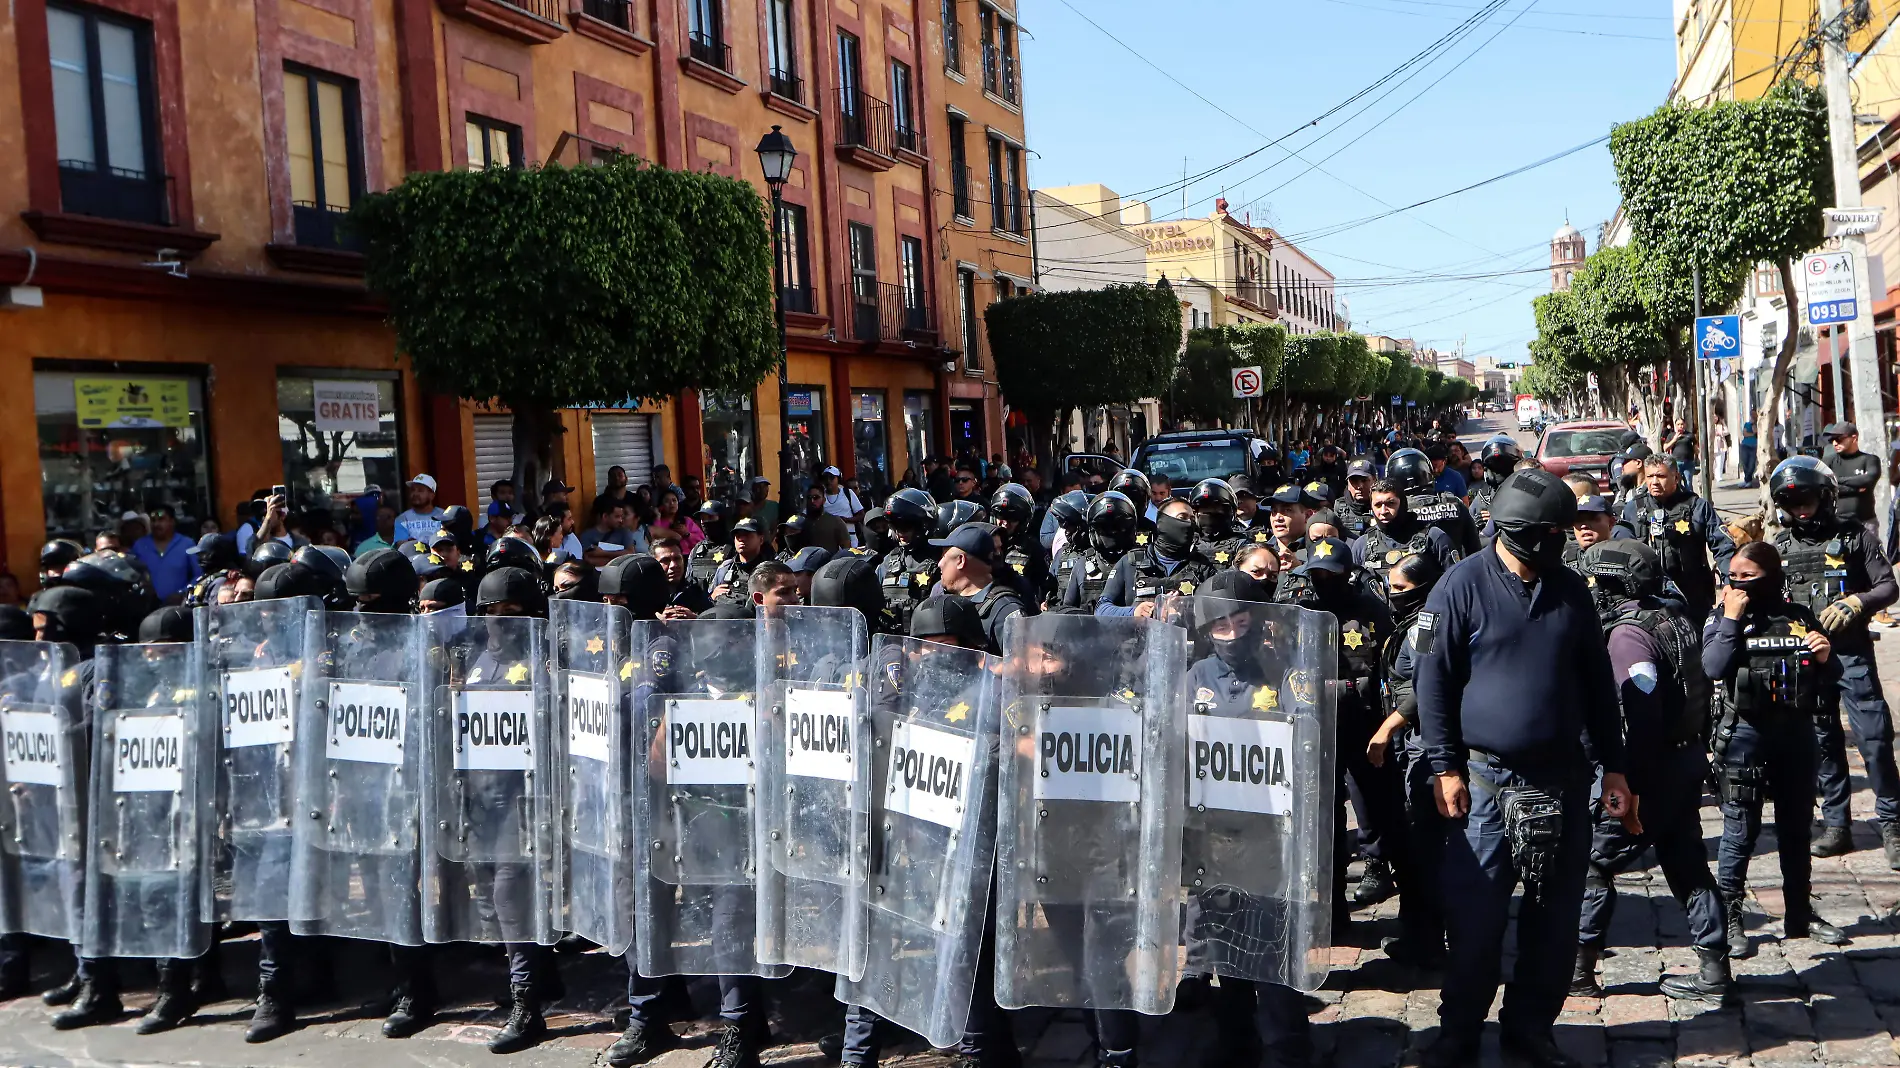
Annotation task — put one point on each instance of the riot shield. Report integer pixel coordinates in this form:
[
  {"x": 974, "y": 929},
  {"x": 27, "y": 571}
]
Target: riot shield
[
  {"x": 355, "y": 861},
  {"x": 933, "y": 833},
  {"x": 1257, "y": 853},
  {"x": 1088, "y": 821},
  {"x": 488, "y": 806},
  {"x": 42, "y": 811},
  {"x": 814, "y": 738},
  {"x": 592, "y": 687},
  {"x": 695, "y": 898},
  {"x": 254, "y": 669},
  {"x": 154, "y": 760}
]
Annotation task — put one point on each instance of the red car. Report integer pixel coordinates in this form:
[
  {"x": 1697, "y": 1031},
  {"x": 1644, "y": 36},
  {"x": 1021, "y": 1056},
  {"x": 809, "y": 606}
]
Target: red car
[{"x": 1586, "y": 447}]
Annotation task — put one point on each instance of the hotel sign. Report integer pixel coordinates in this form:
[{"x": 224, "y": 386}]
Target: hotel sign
[{"x": 1172, "y": 238}]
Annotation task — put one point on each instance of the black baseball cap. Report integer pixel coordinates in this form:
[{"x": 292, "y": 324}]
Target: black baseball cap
[{"x": 1326, "y": 554}]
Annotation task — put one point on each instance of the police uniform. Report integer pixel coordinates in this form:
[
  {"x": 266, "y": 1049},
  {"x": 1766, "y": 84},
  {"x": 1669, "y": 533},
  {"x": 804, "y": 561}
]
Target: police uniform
[
  {"x": 1144, "y": 575},
  {"x": 906, "y": 575},
  {"x": 1685, "y": 530},
  {"x": 1025, "y": 565},
  {"x": 1421, "y": 907},
  {"x": 995, "y": 605},
  {"x": 1448, "y": 513},
  {"x": 1481, "y": 493},
  {"x": 1382, "y": 547},
  {"x": 735, "y": 574},
  {"x": 1355, "y": 516},
  {"x": 702, "y": 564}
]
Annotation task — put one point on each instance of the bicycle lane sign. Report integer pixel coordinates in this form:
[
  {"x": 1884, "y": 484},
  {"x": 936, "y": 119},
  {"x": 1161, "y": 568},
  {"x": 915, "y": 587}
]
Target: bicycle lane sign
[{"x": 1718, "y": 337}]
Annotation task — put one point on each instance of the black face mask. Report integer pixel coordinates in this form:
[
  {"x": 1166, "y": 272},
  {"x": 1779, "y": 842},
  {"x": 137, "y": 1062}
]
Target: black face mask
[
  {"x": 1406, "y": 603},
  {"x": 1174, "y": 535},
  {"x": 877, "y": 541},
  {"x": 1401, "y": 527},
  {"x": 1626, "y": 481},
  {"x": 1108, "y": 542},
  {"x": 1213, "y": 524},
  {"x": 1759, "y": 589},
  {"x": 1233, "y": 651},
  {"x": 1540, "y": 547}
]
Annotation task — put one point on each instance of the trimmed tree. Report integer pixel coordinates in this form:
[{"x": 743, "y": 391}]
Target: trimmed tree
[
  {"x": 1203, "y": 387},
  {"x": 554, "y": 287}
]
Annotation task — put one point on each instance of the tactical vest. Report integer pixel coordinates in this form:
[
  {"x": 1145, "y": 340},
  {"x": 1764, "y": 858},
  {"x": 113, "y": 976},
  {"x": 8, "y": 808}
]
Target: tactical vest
[
  {"x": 1481, "y": 497},
  {"x": 1016, "y": 558},
  {"x": 1360, "y": 646},
  {"x": 1224, "y": 553},
  {"x": 1682, "y": 547},
  {"x": 1686, "y": 695},
  {"x": 1151, "y": 581},
  {"x": 1063, "y": 566},
  {"x": 1096, "y": 567},
  {"x": 1778, "y": 674},
  {"x": 1384, "y": 551},
  {"x": 1822, "y": 570},
  {"x": 735, "y": 574},
  {"x": 906, "y": 578},
  {"x": 1354, "y": 518},
  {"x": 1442, "y": 510},
  {"x": 704, "y": 562}
]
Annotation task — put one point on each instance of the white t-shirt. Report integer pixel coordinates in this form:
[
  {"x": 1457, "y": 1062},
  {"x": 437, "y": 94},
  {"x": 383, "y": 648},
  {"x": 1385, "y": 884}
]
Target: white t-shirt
[
  {"x": 844, "y": 504},
  {"x": 418, "y": 526}
]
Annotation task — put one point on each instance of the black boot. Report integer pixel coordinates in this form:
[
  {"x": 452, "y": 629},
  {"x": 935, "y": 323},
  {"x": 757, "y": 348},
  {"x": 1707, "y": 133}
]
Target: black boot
[
  {"x": 175, "y": 1003},
  {"x": 1803, "y": 922},
  {"x": 96, "y": 1003},
  {"x": 1710, "y": 982},
  {"x": 1833, "y": 842},
  {"x": 1890, "y": 841},
  {"x": 273, "y": 1018},
  {"x": 1536, "y": 1050},
  {"x": 414, "y": 1008},
  {"x": 737, "y": 1049},
  {"x": 1738, "y": 945},
  {"x": 525, "y": 1024},
  {"x": 1375, "y": 883},
  {"x": 640, "y": 1043},
  {"x": 64, "y": 993},
  {"x": 1117, "y": 1060},
  {"x": 1583, "y": 977}
]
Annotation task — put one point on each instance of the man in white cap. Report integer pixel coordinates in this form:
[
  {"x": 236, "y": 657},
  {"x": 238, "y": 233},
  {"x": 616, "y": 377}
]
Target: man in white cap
[
  {"x": 842, "y": 502},
  {"x": 423, "y": 518}
]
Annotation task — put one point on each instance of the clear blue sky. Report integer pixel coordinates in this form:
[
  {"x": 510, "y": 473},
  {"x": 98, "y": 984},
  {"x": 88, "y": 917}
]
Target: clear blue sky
[{"x": 1560, "y": 75}]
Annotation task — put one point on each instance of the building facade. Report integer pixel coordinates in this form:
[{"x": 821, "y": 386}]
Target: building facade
[
  {"x": 1220, "y": 251},
  {"x": 1568, "y": 250},
  {"x": 1305, "y": 292},
  {"x": 193, "y": 324}
]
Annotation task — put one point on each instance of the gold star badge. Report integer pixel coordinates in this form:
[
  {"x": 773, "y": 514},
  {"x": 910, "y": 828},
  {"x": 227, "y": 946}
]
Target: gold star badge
[
  {"x": 1314, "y": 488},
  {"x": 719, "y": 556},
  {"x": 626, "y": 670},
  {"x": 518, "y": 673},
  {"x": 296, "y": 669},
  {"x": 1141, "y": 539},
  {"x": 1324, "y": 548},
  {"x": 922, "y": 578},
  {"x": 1221, "y": 557},
  {"x": 434, "y": 559},
  {"x": 1836, "y": 561},
  {"x": 1187, "y": 587},
  {"x": 1799, "y": 630},
  {"x": 1353, "y": 639},
  {"x": 595, "y": 645},
  {"x": 183, "y": 696},
  {"x": 71, "y": 676},
  {"x": 1265, "y": 699},
  {"x": 468, "y": 565},
  {"x": 1682, "y": 526},
  {"x": 421, "y": 548},
  {"x": 958, "y": 712},
  {"x": 1259, "y": 537}
]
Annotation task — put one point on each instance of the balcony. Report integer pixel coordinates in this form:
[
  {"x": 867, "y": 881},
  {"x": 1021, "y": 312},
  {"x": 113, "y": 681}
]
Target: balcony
[
  {"x": 787, "y": 85},
  {"x": 322, "y": 227},
  {"x": 528, "y": 21},
  {"x": 709, "y": 59},
  {"x": 129, "y": 196},
  {"x": 881, "y": 312},
  {"x": 866, "y": 136},
  {"x": 960, "y": 192},
  {"x": 909, "y": 139},
  {"x": 1257, "y": 295}
]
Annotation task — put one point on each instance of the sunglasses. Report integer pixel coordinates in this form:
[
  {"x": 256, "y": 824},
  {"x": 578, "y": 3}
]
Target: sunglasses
[{"x": 966, "y": 478}]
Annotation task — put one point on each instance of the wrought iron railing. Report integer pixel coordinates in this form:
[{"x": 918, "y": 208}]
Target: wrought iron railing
[
  {"x": 880, "y": 311},
  {"x": 320, "y": 226},
  {"x": 613, "y": 12},
  {"x": 864, "y": 121},
  {"x": 788, "y": 85},
  {"x": 114, "y": 193},
  {"x": 710, "y": 50}
]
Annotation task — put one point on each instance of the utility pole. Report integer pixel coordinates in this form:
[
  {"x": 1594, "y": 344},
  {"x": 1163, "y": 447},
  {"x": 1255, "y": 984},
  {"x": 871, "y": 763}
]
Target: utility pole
[{"x": 1869, "y": 410}]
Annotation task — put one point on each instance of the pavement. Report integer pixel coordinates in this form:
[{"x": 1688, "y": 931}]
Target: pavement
[{"x": 1799, "y": 1003}]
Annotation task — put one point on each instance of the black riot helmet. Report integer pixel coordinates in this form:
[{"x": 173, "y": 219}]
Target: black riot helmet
[
  {"x": 330, "y": 563},
  {"x": 1214, "y": 504},
  {"x": 1624, "y": 566},
  {"x": 1803, "y": 478},
  {"x": 56, "y": 554},
  {"x": 513, "y": 552},
  {"x": 16, "y": 625},
  {"x": 385, "y": 576},
  {"x": 266, "y": 553},
  {"x": 286, "y": 580},
  {"x": 1412, "y": 470},
  {"x": 1131, "y": 484},
  {"x": 1012, "y": 503},
  {"x": 108, "y": 574},
  {"x": 850, "y": 582},
  {"x": 1112, "y": 519},
  {"x": 512, "y": 585},
  {"x": 911, "y": 509},
  {"x": 216, "y": 553},
  {"x": 1533, "y": 497},
  {"x": 947, "y": 616},
  {"x": 73, "y": 614},
  {"x": 953, "y": 514},
  {"x": 171, "y": 623},
  {"x": 447, "y": 590},
  {"x": 1500, "y": 455},
  {"x": 1071, "y": 511},
  {"x": 1214, "y": 600},
  {"x": 637, "y": 580},
  {"x": 1267, "y": 455}
]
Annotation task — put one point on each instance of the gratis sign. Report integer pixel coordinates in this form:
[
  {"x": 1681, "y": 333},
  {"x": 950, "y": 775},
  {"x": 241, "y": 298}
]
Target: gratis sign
[{"x": 1829, "y": 277}]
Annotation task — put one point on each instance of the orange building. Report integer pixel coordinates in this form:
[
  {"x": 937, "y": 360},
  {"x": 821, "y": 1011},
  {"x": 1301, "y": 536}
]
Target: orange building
[{"x": 188, "y": 324}]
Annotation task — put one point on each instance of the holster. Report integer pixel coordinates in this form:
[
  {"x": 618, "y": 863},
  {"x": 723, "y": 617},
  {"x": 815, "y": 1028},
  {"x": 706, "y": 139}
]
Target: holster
[
  {"x": 1741, "y": 785},
  {"x": 1534, "y": 825}
]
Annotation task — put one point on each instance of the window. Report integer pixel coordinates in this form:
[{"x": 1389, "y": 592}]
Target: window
[
  {"x": 852, "y": 105},
  {"x": 492, "y": 143},
  {"x": 1005, "y": 288},
  {"x": 319, "y": 461},
  {"x": 952, "y": 38},
  {"x": 781, "y": 43},
  {"x": 804, "y": 422},
  {"x": 999, "y": 192},
  {"x": 1006, "y": 41},
  {"x": 140, "y": 442},
  {"x": 613, "y": 12},
  {"x": 911, "y": 250},
  {"x": 105, "y": 116},
  {"x": 992, "y": 73},
  {"x": 864, "y": 317},
  {"x": 966, "y": 310},
  {"x": 901, "y": 111},
  {"x": 326, "y": 162},
  {"x": 726, "y": 427},
  {"x": 1006, "y": 191},
  {"x": 960, "y": 167},
  {"x": 794, "y": 259},
  {"x": 706, "y": 33}
]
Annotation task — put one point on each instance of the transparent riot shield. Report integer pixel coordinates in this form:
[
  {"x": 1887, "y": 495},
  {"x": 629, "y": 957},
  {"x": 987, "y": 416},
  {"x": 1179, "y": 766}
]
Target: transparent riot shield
[
  {"x": 355, "y": 865},
  {"x": 254, "y": 670},
  {"x": 1089, "y": 810},
  {"x": 592, "y": 685},
  {"x": 42, "y": 810},
  {"x": 153, "y": 767},
  {"x": 933, "y": 833},
  {"x": 488, "y": 803},
  {"x": 1257, "y": 854},
  {"x": 814, "y": 737},
  {"x": 695, "y": 898}
]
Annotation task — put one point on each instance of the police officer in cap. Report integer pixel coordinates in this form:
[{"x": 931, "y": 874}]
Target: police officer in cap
[
  {"x": 1496, "y": 461},
  {"x": 1165, "y": 563},
  {"x": 1247, "y": 514},
  {"x": 1290, "y": 508},
  {"x": 1656, "y": 657},
  {"x": 1013, "y": 510},
  {"x": 702, "y": 564},
  {"x": 1113, "y": 525},
  {"x": 749, "y": 550},
  {"x": 217, "y": 555},
  {"x": 1395, "y": 532},
  {"x": 909, "y": 569},
  {"x": 1513, "y": 751},
  {"x": 1628, "y": 477},
  {"x": 1774, "y": 662},
  {"x": 1683, "y": 528},
  {"x": 1215, "y": 537},
  {"x": 1835, "y": 567},
  {"x": 968, "y": 569},
  {"x": 1354, "y": 507},
  {"x": 1411, "y": 470}
]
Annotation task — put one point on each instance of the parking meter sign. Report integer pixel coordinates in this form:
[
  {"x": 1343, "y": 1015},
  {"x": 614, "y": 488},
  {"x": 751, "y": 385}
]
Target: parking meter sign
[
  {"x": 1829, "y": 278},
  {"x": 1718, "y": 337},
  {"x": 1247, "y": 383}
]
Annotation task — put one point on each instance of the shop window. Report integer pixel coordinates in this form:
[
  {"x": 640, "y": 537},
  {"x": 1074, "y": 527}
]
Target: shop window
[
  {"x": 871, "y": 436},
  {"x": 731, "y": 454},
  {"x": 492, "y": 143},
  {"x": 326, "y": 164},
  {"x": 920, "y": 432},
  {"x": 114, "y": 443},
  {"x": 105, "y": 116},
  {"x": 804, "y": 436},
  {"x": 339, "y": 439}
]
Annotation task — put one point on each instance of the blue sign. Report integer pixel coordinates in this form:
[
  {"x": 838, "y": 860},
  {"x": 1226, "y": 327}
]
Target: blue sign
[
  {"x": 1396, "y": 399},
  {"x": 1718, "y": 337},
  {"x": 1832, "y": 311},
  {"x": 1411, "y": 404},
  {"x": 798, "y": 401}
]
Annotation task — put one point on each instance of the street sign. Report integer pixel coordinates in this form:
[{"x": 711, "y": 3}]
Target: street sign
[
  {"x": 1717, "y": 336},
  {"x": 1829, "y": 277},
  {"x": 1247, "y": 383},
  {"x": 1396, "y": 399},
  {"x": 1851, "y": 222}
]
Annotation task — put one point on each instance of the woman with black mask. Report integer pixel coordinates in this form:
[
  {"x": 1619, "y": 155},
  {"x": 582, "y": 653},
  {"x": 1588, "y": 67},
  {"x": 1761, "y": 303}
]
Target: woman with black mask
[{"x": 1421, "y": 914}]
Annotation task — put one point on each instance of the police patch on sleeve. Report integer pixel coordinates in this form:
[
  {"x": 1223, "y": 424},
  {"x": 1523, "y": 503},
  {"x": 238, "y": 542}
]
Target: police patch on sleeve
[
  {"x": 1644, "y": 676},
  {"x": 1425, "y": 632}
]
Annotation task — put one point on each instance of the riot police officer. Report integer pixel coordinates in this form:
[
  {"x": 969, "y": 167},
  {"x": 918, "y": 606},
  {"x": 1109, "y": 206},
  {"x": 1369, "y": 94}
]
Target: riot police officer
[
  {"x": 1775, "y": 664},
  {"x": 1069, "y": 514},
  {"x": 1683, "y": 528},
  {"x": 1268, "y": 470},
  {"x": 1215, "y": 506},
  {"x": 217, "y": 554},
  {"x": 953, "y": 514},
  {"x": 1835, "y": 567},
  {"x": 1132, "y": 484},
  {"x": 1496, "y": 460},
  {"x": 54, "y": 556},
  {"x": 1656, "y": 656},
  {"x": 1013, "y": 510},
  {"x": 967, "y": 567},
  {"x": 1396, "y": 532},
  {"x": 749, "y": 551},
  {"x": 1421, "y": 941},
  {"x": 1411, "y": 470},
  {"x": 702, "y": 564},
  {"x": 1113, "y": 521},
  {"x": 1354, "y": 507},
  {"x": 1167, "y": 563},
  {"x": 1512, "y": 752},
  {"x": 909, "y": 569}
]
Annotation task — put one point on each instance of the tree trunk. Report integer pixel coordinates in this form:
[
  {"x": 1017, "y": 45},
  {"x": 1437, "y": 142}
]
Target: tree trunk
[
  {"x": 1765, "y": 459},
  {"x": 536, "y": 429}
]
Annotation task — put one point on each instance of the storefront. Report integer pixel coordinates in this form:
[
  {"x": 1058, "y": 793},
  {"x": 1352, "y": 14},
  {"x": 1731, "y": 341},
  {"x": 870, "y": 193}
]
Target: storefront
[
  {"x": 870, "y": 437},
  {"x": 804, "y": 422},
  {"x": 966, "y": 429},
  {"x": 340, "y": 435},
  {"x": 920, "y": 431},
  {"x": 111, "y": 443},
  {"x": 730, "y": 434}
]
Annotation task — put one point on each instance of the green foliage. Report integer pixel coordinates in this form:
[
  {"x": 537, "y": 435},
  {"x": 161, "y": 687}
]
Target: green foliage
[
  {"x": 1086, "y": 347},
  {"x": 1203, "y": 388},
  {"x": 1353, "y": 377},
  {"x": 1615, "y": 312},
  {"x": 555, "y": 286},
  {"x": 1311, "y": 371}
]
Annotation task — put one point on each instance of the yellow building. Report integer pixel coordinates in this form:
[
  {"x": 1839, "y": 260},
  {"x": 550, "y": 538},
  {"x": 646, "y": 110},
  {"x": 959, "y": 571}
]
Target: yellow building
[{"x": 1219, "y": 251}]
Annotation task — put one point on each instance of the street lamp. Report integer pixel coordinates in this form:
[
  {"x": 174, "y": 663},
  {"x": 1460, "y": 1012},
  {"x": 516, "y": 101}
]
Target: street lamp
[{"x": 776, "y": 155}]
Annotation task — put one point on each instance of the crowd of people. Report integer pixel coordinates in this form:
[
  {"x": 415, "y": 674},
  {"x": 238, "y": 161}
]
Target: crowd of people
[{"x": 1538, "y": 677}]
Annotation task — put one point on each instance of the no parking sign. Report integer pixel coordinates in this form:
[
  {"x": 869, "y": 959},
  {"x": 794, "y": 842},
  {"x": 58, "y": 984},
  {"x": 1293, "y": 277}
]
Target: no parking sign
[{"x": 1247, "y": 383}]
